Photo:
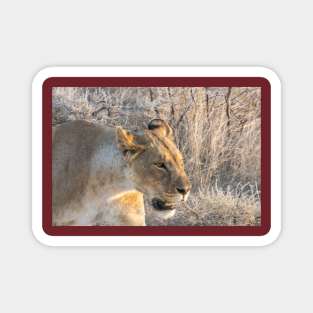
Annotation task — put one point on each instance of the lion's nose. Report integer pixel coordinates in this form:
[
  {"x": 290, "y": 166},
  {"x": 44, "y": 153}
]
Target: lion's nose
[{"x": 183, "y": 191}]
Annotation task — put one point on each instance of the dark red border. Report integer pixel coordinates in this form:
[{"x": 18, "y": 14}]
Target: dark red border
[{"x": 158, "y": 82}]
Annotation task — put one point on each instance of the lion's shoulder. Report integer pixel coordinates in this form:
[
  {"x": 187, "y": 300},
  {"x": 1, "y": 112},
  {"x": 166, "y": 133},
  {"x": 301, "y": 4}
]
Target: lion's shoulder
[{"x": 76, "y": 145}]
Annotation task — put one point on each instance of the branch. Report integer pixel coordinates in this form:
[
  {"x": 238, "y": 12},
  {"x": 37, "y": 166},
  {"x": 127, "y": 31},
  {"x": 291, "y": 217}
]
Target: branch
[
  {"x": 187, "y": 109},
  {"x": 101, "y": 109}
]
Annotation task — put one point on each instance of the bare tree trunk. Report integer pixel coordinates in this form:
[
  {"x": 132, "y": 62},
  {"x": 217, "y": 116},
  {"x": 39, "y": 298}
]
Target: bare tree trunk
[
  {"x": 228, "y": 113},
  {"x": 151, "y": 94},
  {"x": 228, "y": 104}
]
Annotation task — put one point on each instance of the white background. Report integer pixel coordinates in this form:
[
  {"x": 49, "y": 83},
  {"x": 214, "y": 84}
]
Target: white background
[{"x": 35, "y": 34}]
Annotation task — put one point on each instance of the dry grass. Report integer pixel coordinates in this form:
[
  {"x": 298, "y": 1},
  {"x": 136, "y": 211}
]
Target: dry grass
[
  {"x": 217, "y": 130},
  {"x": 214, "y": 207}
]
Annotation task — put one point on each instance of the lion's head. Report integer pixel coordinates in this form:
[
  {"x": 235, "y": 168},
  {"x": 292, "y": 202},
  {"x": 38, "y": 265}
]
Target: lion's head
[{"x": 155, "y": 164}]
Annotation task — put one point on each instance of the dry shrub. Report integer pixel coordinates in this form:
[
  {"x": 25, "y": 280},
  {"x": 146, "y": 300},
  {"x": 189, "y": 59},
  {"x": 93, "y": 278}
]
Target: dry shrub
[{"x": 217, "y": 130}]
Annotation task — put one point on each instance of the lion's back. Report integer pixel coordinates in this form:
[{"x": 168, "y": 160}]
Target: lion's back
[{"x": 74, "y": 145}]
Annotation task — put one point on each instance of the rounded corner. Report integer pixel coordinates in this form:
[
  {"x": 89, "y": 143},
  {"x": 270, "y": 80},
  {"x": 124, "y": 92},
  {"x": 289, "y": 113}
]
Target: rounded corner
[
  {"x": 42, "y": 236},
  {"x": 270, "y": 75},
  {"x": 43, "y": 76},
  {"x": 271, "y": 236}
]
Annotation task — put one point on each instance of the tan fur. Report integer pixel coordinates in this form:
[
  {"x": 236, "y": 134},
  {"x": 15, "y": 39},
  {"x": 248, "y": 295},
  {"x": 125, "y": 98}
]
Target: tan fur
[{"x": 100, "y": 174}]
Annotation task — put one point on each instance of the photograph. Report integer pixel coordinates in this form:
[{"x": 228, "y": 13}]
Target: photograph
[{"x": 156, "y": 156}]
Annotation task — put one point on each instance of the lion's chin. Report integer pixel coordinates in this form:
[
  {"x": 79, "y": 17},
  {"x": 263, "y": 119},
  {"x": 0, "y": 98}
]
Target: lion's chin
[{"x": 166, "y": 214}]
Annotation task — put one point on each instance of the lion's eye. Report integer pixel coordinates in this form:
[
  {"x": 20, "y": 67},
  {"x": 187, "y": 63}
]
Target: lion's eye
[{"x": 160, "y": 165}]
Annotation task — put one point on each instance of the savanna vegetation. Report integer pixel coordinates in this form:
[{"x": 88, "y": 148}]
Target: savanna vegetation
[{"x": 216, "y": 129}]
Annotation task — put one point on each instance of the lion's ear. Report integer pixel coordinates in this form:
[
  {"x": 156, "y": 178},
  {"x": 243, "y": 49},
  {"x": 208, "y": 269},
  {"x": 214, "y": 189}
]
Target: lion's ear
[
  {"x": 127, "y": 144},
  {"x": 161, "y": 128}
]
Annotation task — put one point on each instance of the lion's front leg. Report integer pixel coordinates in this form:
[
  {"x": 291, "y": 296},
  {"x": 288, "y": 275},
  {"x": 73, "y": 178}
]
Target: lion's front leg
[{"x": 125, "y": 209}]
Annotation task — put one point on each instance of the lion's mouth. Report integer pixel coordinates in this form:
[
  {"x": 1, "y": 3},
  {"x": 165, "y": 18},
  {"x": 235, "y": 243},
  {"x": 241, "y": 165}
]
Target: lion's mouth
[{"x": 161, "y": 205}]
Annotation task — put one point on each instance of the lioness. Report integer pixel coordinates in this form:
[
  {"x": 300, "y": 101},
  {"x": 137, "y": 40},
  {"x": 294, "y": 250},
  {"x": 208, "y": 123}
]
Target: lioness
[{"x": 100, "y": 174}]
